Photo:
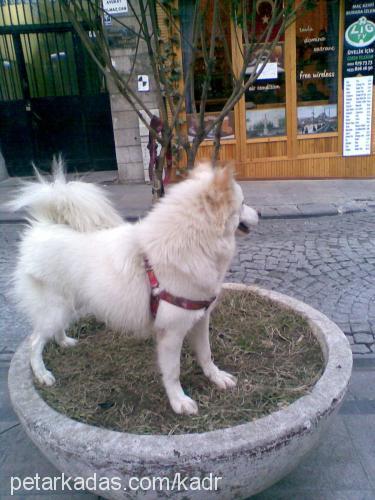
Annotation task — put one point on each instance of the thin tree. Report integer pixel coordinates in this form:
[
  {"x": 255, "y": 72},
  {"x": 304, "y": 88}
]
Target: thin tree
[{"x": 171, "y": 86}]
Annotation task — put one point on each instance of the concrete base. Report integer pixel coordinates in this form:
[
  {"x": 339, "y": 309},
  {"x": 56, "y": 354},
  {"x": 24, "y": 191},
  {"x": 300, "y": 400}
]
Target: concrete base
[{"x": 248, "y": 457}]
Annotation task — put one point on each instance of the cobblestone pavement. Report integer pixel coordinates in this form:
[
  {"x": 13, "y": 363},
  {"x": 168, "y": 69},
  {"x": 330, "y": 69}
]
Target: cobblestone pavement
[{"x": 328, "y": 262}]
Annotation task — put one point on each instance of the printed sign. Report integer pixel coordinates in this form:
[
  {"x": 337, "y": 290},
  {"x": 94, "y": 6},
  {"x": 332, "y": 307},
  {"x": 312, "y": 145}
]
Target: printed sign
[
  {"x": 107, "y": 19},
  {"x": 359, "y": 39},
  {"x": 269, "y": 71},
  {"x": 357, "y": 115},
  {"x": 115, "y": 6},
  {"x": 143, "y": 83}
]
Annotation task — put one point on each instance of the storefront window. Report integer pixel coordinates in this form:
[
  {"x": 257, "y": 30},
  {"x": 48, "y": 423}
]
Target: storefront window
[
  {"x": 265, "y": 99},
  {"x": 221, "y": 83},
  {"x": 317, "y": 57}
]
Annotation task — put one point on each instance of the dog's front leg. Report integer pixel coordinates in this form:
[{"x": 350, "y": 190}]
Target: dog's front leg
[
  {"x": 169, "y": 344},
  {"x": 200, "y": 342}
]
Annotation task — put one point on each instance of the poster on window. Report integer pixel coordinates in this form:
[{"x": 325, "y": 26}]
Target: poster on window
[
  {"x": 359, "y": 38},
  {"x": 268, "y": 122},
  {"x": 227, "y": 129},
  {"x": 317, "y": 119},
  {"x": 317, "y": 37}
]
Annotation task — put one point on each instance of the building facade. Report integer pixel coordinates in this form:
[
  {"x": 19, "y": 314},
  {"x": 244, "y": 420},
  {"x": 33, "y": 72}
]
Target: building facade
[{"x": 309, "y": 114}]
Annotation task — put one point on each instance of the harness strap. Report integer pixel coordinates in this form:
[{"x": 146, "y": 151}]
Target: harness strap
[{"x": 157, "y": 295}]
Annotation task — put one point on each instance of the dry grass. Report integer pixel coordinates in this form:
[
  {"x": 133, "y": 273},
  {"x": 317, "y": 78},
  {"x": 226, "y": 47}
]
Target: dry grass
[{"x": 111, "y": 380}]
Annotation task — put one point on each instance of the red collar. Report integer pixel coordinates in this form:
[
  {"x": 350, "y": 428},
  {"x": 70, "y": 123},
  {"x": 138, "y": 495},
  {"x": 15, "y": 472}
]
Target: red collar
[{"x": 157, "y": 295}]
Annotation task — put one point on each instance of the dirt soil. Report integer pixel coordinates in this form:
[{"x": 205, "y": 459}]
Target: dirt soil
[{"x": 111, "y": 380}]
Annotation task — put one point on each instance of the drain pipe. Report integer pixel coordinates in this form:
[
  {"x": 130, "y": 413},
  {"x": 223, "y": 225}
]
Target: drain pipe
[{"x": 3, "y": 168}]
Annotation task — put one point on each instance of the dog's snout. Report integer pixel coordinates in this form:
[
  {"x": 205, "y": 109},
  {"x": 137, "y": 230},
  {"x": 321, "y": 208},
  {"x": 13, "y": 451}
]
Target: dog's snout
[{"x": 249, "y": 215}]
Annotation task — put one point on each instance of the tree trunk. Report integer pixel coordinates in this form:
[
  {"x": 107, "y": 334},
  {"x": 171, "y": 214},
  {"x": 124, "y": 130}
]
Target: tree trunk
[
  {"x": 217, "y": 145},
  {"x": 157, "y": 179},
  {"x": 190, "y": 159}
]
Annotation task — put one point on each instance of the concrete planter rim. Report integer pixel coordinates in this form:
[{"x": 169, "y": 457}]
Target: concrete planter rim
[{"x": 278, "y": 427}]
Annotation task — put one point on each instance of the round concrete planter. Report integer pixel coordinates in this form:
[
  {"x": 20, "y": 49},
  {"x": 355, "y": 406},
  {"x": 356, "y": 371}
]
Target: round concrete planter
[{"x": 248, "y": 457}]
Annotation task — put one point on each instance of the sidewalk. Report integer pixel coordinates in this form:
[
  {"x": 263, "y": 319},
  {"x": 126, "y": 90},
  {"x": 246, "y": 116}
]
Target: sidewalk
[{"x": 273, "y": 199}]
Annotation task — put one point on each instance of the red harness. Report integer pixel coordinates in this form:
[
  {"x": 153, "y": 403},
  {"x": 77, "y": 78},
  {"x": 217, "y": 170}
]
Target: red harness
[{"x": 157, "y": 295}]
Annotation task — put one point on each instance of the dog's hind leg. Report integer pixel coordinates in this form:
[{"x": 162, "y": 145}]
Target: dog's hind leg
[
  {"x": 37, "y": 343},
  {"x": 200, "y": 341},
  {"x": 51, "y": 325}
]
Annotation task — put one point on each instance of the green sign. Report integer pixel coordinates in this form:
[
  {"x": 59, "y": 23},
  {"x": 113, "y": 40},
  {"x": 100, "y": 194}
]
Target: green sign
[{"x": 361, "y": 33}]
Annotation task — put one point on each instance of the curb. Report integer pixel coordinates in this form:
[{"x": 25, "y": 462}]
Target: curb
[
  {"x": 304, "y": 211},
  {"x": 10, "y": 218},
  {"x": 308, "y": 210}
]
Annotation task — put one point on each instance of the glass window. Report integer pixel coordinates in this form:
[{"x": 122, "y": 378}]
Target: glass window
[
  {"x": 50, "y": 64},
  {"x": 317, "y": 59},
  {"x": 221, "y": 83},
  {"x": 10, "y": 81},
  {"x": 265, "y": 99}
]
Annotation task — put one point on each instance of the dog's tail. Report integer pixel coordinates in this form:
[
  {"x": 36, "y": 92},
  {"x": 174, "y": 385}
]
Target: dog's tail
[{"x": 82, "y": 206}]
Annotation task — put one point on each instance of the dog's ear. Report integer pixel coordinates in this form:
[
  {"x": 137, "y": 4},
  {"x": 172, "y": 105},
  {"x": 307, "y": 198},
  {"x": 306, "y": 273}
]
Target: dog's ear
[
  {"x": 219, "y": 194},
  {"x": 223, "y": 178}
]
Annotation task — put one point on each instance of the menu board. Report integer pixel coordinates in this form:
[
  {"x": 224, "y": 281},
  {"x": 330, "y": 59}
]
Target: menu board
[{"x": 357, "y": 115}]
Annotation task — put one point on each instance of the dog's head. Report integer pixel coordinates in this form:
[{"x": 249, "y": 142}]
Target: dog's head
[{"x": 223, "y": 199}]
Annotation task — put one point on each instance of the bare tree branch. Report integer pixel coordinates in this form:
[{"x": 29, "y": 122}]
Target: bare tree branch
[{"x": 255, "y": 48}]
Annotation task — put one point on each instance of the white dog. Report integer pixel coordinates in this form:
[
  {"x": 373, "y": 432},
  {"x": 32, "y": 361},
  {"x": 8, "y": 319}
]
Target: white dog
[{"x": 79, "y": 257}]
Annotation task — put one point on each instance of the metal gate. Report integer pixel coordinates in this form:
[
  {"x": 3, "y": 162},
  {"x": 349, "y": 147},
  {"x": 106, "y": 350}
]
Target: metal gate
[{"x": 53, "y": 99}]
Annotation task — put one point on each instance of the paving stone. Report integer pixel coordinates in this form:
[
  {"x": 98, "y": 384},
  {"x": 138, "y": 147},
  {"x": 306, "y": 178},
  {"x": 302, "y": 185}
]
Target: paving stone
[
  {"x": 359, "y": 327},
  {"x": 364, "y": 441},
  {"x": 362, "y": 381},
  {"x": 332, "y": 467},
  {"x": 360, "y": 349},
  {"x": 363, "y": 338}
]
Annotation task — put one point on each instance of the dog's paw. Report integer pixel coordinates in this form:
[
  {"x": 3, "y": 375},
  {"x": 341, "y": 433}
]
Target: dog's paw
[
  {"x": 184, "y": 406},
  {"x": 46, "y": 378},
  {"x": 223, "y": 379},
  {"x": 68, "y": 342}
]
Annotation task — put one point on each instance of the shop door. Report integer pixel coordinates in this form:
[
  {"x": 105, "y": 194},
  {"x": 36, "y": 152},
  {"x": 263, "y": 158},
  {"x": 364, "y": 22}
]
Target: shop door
[{"x": 52, "y": 100}]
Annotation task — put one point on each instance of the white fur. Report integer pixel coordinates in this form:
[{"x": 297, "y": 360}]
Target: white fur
[{"x": 79, "y": 257}]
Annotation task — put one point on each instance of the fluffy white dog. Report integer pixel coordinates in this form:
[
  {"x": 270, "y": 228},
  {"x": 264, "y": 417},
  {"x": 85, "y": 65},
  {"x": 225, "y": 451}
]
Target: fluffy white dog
[{"x": 79, "y": 257}]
